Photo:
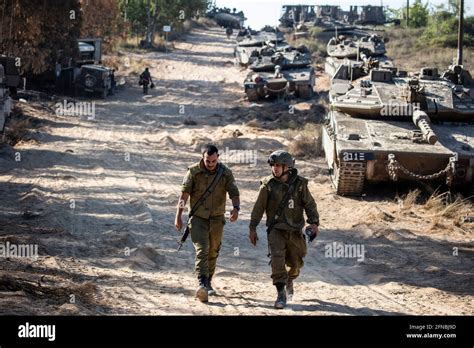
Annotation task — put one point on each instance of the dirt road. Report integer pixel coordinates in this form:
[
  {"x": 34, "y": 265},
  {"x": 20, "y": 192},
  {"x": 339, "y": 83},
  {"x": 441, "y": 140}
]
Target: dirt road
[{"x": 98, "y": 196}]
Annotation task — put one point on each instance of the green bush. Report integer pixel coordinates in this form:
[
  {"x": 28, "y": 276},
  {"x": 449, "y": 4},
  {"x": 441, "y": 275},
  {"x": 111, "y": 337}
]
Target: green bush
[{"x": 442, "y": 30}]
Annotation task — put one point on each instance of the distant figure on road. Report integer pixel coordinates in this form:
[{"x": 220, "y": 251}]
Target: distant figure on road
[
  {"x": 229, "y": 31},
  {"x": 145, "y": 80}
]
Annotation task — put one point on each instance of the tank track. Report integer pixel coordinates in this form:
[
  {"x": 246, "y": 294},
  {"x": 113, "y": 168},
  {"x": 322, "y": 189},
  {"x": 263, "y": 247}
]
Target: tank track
[{"x": 350, "y": 178}]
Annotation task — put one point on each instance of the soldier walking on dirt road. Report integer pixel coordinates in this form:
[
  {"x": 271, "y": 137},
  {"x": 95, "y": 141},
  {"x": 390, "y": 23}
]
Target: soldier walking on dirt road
[
  {"x": 283, "y": 196},
  {"x": 207, "y": 221}
]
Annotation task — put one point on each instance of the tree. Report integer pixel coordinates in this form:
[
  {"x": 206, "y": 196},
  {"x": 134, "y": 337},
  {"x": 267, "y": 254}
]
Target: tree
[
  {"x": 102, "y": 19},
  {"x": 146, "y": 17},
  {"x": 418, "y": 12},
  {"x": 39, "y": 33},
  {"x": 442, "y": 28}
]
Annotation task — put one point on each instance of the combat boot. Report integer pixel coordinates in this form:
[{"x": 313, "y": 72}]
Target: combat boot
[
  {"x": 280, "y": 302},
  {"x": 201, "y": 292},
  {"x": 289, "y": 289},
  {"x": 210, "y": 289}
]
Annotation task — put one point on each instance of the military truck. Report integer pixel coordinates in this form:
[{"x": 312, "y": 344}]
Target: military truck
[
  {"x": 5, "y": 103},
  {"x": 12, "y": 75},
  {"x": 90, "y": 76},
  {"x": 394, "y": 126},
  {"x": 9, "y": 82},
  {"x": 96, "y": 79}
]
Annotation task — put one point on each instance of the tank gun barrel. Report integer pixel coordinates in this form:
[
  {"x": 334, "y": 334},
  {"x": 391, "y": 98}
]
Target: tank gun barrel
[{"x": 422, "y": 121}]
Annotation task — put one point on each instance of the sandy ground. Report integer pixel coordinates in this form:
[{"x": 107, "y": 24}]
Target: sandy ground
[{"x": 98, "y": 196}]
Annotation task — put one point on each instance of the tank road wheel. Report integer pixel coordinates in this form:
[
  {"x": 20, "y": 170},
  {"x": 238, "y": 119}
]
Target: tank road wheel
[
  {"x": 348, "y": 178},
  {"x": 252, "y": 95},
  {"x": 305, "y": 92}
]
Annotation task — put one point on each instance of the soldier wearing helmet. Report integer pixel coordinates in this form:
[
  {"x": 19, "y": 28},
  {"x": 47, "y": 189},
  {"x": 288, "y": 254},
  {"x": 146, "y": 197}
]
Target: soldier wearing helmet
[{"x": 283, "y": 196}]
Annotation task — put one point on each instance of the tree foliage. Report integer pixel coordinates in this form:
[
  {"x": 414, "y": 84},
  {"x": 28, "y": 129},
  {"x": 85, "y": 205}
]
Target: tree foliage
[
  {"x": 39, "y": 32},
  {"x": 440, "y": 23},
  {"x": 418, "y": 14},
  {"x": 102, "y": 19},
  {"x": 442, "y": 28},
  {"x": 145, "y": 17}
]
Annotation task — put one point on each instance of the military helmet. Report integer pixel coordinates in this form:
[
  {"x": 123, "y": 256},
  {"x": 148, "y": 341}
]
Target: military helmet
[{"x": 281, "y": 157}]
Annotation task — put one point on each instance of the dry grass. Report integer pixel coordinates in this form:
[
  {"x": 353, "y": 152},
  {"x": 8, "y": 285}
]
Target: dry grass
[
  {"x": 160, "y": 43},
  {"x": 443, "y": 205},
  {"x": 440, "y": 209},
  {"x": 316, "y": 47},
  {"x": 408, "y": 201},
  {"x": 306, "y": 141}
]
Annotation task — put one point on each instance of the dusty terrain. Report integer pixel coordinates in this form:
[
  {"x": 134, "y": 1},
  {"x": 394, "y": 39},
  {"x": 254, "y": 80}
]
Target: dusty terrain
[{"x": 98, "y": 196}]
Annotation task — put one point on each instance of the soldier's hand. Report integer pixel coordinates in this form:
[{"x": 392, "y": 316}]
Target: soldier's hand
[
  {"x": 178, "y": 223},
  {"x": 315, "y": 230},
  {"x": 234, "y": 215},
  {"x": 253, "y": 237}
]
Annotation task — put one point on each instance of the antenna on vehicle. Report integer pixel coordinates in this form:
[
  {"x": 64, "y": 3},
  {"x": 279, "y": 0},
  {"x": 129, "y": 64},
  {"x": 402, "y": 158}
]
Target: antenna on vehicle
[{"x": 460, "y": 31}]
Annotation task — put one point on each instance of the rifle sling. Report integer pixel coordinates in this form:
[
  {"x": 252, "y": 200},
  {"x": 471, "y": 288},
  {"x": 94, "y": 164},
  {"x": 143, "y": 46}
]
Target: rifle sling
[
  {"x": 283, "y": 202},
  {"x": 208, "y": 191}
]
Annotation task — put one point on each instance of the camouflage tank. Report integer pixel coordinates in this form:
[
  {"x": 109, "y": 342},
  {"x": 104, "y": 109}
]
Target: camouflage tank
[
  {"x": 250, "y": 47},
  {"x": 359, "y": 67},
  {"x": 287, "y": 71},
  {"x": 286, "y": 57},
  {"x": 299, "y": 82},
  {"x": 341, "y": 47},
  {"x": 389, "y": 126},
  {"x": 225, "y": 18},
  {"x": 368, "y": 51},
  {"x": 301, "y": 30},
  {"x": 373, "y": 45}
]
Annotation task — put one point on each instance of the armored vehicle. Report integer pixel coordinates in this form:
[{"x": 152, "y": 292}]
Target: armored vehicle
[
  {"x": 373, "y": 45},
  {"x": 390, "y": 126},
  {"x": 285, "y": 71},
  {"x": 11, "y": 77},
  {"x": 287, "y": 58},
  {"x": 280, "y": 83},
  {"x": 227, "y": 18},
  {"x": 250, "y": 47},
  {"x": 341, "y": 47},
  {"x": 9, "y": 82},
  {"x": 95, "y": 79},
  {"x": 5, "y": 103},
  {"x": 367, "y": 52}
]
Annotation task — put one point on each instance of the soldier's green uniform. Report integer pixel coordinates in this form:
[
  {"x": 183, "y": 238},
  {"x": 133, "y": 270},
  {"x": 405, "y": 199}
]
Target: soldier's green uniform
[
  {"x": 207, "y": 224},
  {"x": 286, "y": 240}
]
